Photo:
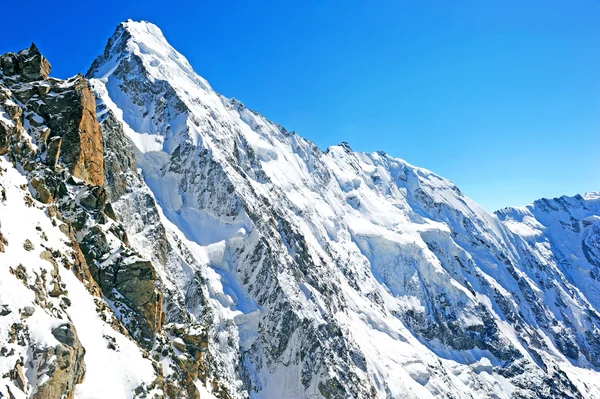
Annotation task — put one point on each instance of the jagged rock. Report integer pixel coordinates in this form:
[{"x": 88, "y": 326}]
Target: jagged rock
[
  {"x": 110, "y": 212},
  {"x": 5, "y": 133},
  {"x": 18, "y": 377},
  {"x": 179, "y": 344},
  {"x": 94, "y": 244},
  {"x": 3, "y": 242},
  {"x": 32, "y": 65},
  {"x": 68, "y": 368},
  {"x": 4, "y": 310},
  {"x": 135, "y": 280},
  {"x": 53, "y": 151},
  {"x": 119, "y": 160},
  {"x": 9, "y": 130},
  {"x": 28, "y": 245},
  {"x": 62, "y": 164},
  {"x": 43, "y": 193},
  {"x": 81, "y": 145},
  {"x": 94, "y": 199},
  {"x": 8, "y": 62}
]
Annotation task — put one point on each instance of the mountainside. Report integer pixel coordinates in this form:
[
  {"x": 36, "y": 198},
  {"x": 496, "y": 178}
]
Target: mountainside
[{"x": 216, "y": 254}]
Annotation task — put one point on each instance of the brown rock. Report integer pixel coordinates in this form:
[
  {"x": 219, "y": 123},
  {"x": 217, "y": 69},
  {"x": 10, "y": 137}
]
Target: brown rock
[
  {"x": 81, "y": 147},
  {"x": 69, "y": 366},
  {"x": 3, "y": 242},
  {"x": 28, "y": 245},
  {"x": 43, "y": 193},
  {"x": 18, "y": 377}
]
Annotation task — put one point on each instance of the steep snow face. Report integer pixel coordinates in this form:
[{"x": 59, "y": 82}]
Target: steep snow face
[
  {"x": 345, "y": 274},
  {"x": 564, "y": 232}
]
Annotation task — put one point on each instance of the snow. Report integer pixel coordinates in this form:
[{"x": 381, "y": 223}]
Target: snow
[
  {"x": 109, "y": 374},
  {"x": 391, "y": 238}
]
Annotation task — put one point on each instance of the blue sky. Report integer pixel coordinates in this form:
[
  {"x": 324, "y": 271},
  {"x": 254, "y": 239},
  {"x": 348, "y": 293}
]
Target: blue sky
[{"x": 501, "y": 97}]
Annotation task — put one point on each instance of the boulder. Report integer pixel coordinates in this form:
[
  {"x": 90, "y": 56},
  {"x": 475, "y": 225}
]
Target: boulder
[
  {"x": 43, "y": 193},
  {"x": 18, "y": 377},
  {"x": 28, "y": 245}
]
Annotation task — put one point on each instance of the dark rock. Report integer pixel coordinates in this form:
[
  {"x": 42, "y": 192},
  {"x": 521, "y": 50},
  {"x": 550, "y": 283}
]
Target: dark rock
[
  {"x": 65, "y": 334},
  {"x": 9, "y": 63},
  {"x": 133, "y": 280},
  {"x": 53, "y": 151},
  {"x": 94, "y": 244},
  {"x": 32, "y": 65},
  {"x": 110, "y": 212},
  {"x": 4, "y": 310},
  {"x": 28, "y": 245},
  {"x": 94, "y": 199}
]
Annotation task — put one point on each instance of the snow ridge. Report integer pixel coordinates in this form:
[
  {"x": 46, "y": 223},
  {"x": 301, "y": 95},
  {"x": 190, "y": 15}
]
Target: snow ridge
[{"x": 347, "y": 274}]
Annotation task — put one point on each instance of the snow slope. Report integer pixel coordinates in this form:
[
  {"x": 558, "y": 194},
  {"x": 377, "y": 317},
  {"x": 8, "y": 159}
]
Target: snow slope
[
  {"x": 343, "y": 274},
  {"x": 125, "y": 367}
]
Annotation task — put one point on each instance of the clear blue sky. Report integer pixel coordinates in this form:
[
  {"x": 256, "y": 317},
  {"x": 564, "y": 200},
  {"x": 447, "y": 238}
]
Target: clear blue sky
[{"x": 501, "y": 97}]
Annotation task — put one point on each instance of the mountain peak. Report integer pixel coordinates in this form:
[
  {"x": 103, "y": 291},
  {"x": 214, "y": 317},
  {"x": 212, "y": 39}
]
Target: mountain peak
[
  {"x": 143, "y": 31},
  {"x": 145, "y": 42}
]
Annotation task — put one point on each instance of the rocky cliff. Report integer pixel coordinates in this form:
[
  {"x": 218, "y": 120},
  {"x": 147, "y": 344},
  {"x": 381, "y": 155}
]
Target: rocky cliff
[{"x": 56, "y": 223}]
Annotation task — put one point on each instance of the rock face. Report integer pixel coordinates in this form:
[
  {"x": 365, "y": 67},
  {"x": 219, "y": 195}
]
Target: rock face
[
  {"x": 72, "y": 133},
  {"x": 67, "y": 369},
  {"x": 80, "y": 142},
  {"x": 29, "y": 64},
  {"x": 132, "y": 281}
]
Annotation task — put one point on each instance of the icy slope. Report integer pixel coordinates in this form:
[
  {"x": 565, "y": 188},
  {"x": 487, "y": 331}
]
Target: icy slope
[
  {"x": 566, "y": 232},
  {"x": 345, "y": 274}
]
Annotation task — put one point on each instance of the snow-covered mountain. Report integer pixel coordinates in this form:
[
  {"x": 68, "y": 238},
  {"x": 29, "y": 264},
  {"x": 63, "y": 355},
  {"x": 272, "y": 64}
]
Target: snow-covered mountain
[{"x": 239, "y": 260}]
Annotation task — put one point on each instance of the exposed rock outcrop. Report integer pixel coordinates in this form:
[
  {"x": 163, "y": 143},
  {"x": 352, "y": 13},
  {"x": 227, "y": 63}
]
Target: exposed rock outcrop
[
  {"x": 130, "y": 282},
  {"x": 29, "y": 64},
  {"x": 62, "y": 112},
  {"x": 63, "y": 364},
  {"x": 80, "y": 147}
]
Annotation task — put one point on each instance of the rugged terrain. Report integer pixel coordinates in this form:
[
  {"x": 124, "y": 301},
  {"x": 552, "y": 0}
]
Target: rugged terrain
[{"x": 160, "y": 240}]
